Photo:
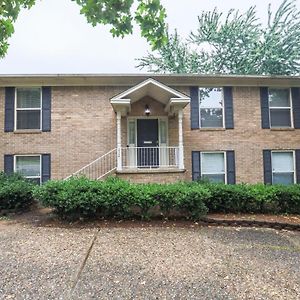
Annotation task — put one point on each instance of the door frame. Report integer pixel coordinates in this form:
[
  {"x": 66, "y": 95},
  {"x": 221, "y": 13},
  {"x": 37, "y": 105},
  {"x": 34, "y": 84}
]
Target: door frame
[
  {"x": 165, "y": 118},
  {"x": 159, "y": 118}
]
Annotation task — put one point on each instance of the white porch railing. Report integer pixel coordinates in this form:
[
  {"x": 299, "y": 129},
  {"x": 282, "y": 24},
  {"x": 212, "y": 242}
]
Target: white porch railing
[
  {"x": 150, "y": 157},
  {"x": 131, "y": 158},
  {"x": 100, "y": 167}
]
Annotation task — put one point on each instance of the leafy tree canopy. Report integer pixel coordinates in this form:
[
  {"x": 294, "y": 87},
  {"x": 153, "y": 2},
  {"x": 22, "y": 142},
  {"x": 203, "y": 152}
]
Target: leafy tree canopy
[
  {"x": 149, "y": 15},
  {"x": 234, "y": 44}
]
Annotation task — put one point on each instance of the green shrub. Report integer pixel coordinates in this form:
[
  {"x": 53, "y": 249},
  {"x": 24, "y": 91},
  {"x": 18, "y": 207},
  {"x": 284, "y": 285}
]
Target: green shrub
[
  {"x": 118, "y": 197},
  {"x": 264, "y": 198},
  {"x": 288, "y": 198},
  {"x": 82, "y": 198},
  {"x": 192, "y": 200},
  {"x": 229, "y": 198},
  {"x": 255, "y": 198},
  {"x": 70, "y": 198},
  {"x": 146, "y": 199},
  {"x": 16, "y": 193}
]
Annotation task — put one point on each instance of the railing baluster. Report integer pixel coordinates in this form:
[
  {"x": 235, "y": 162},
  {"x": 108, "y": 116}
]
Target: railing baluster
[{"x": 132, "y": 157}]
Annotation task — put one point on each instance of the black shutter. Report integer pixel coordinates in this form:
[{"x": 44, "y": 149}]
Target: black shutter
[
  {"x": 230, "y": 160},
  {"x": 9, "y": 109},
  {"x": 8, "y": 164},
  {"x": 194, "y": 94},
  {"x": 267, "y": 166},
  {"x": 297, "y": 165},
  {"x": 264, "y": 102},
  {"x": 196, "y": 165},
  {"x": 46, "y": 109},
  {"x": 296, "y": 106},
  {"x": 46, "y": 167},
  {"x": 228, "y": 107}
]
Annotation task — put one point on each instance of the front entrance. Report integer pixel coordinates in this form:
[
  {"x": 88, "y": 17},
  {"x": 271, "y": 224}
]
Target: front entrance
[{"x": 147, "y": 143}]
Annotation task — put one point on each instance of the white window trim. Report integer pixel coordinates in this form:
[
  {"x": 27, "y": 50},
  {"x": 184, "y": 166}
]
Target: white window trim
[
  {"x": 284, "y": 172},
  {"x": 26, "y": 155},
  {"x": 16, "y": 109},
  {"x": 204, "y": 107},
  {"x": 290, "y": 107},
  {"x": 225, "y": 164}
]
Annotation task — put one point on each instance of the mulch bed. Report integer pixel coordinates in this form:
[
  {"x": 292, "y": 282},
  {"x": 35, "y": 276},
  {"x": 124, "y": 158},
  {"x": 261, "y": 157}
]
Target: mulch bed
[{"x": 45, "y": 218}]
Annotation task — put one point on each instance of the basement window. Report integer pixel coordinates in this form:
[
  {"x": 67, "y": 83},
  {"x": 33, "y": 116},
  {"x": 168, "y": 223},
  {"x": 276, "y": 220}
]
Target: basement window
[{"x": 29, "y": 166}]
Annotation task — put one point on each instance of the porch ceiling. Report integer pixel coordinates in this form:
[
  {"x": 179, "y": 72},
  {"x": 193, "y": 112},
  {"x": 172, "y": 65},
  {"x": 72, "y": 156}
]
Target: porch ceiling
[{"x": 169, "y": 97}]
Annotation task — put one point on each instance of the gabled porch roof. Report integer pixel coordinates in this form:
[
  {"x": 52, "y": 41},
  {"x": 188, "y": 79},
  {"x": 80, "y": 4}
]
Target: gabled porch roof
[{"x": 172, "y": 99}]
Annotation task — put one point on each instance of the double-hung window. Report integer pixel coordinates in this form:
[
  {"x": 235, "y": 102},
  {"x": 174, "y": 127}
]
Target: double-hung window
[
  {"x": 28, "y": 108},
  {"x": 280, "y": 105},
  {"x": 29, "y": 166},
  {"x": 211, "y": 104},
  {"x": 283, "y": 167},
  {"x": 213, "y": 166}
]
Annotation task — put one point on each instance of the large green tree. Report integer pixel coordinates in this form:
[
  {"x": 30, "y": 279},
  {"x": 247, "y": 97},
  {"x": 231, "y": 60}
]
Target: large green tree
[
  {"x": 120, "y": 14},
  {"x": 234, "y": 44}
]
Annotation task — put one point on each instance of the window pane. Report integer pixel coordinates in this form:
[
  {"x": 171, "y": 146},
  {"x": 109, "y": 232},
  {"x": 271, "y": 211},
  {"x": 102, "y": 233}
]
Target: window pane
[
  {"x": 29, "y": 98},
  {"x": 283, "y": 178},
  {"x": 28, "y": 119},
  {"x": 35, "y": 180},
  {"x": 163, "y": 132},
  {"x": 132, "y": 133},
  {"x": 211, "y": 117},
  {"x": 28, "y": 165},
  {"x": 215, "y": 178},
  {"x": 280, "y": 117},
  {"x": 211, "y": 98},
  {"x": 282, "y": 161},
  {"x": 213, "y": 163},
  {"x": 279, "y": 97}
]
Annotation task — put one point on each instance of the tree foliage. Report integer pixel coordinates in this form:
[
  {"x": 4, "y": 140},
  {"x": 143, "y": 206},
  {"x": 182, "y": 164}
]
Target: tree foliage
[
  {"x": 149, "y": 15},
  {"x": 234, "y": 44},
  {"x": 9, "y": 11}
]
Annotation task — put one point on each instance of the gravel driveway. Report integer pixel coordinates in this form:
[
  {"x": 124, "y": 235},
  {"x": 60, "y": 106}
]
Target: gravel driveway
[{"x": 148, "y": 263}]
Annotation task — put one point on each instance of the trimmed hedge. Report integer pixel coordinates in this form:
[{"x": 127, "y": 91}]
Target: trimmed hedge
[
  {"x": 256, "y": 198},
  {"x": 83, "y": 198},
  {"x": 16, "y": 193}
]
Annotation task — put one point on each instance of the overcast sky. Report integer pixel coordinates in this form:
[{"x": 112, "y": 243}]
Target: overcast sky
[{"x": 53, "y": 37}]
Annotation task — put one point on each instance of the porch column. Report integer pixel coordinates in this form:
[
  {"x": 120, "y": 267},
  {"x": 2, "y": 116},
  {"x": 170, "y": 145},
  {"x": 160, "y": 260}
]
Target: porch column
[
  {"x": 180, "y": 139},
  {"x": 119, "y": 142}
]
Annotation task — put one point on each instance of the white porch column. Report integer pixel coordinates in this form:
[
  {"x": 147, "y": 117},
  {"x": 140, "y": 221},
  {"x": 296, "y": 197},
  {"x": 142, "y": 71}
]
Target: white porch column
[
  {"x": 180, "y": 139},
  {"x": 119, "y": 142}
]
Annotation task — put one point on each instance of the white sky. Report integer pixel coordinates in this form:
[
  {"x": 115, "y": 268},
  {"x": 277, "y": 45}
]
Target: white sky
[{"x": 53, "y": 37}]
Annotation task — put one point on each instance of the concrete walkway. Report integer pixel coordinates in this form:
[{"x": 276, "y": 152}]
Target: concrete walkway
[{"x": 148, "y": 263}]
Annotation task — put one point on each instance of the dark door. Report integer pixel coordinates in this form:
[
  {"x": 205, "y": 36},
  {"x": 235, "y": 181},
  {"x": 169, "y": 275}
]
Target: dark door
[{"x": 147, "y": 142}]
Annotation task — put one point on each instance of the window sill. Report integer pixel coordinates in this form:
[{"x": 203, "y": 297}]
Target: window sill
[
  {"x": 282, "y": 129},
  {"x": 27, "y": 131},
  {"x": 212, "y": 129}
]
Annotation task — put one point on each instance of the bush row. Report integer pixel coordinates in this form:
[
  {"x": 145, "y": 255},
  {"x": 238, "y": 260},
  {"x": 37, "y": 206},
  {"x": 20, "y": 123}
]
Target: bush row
[
  {"x": 81, "y": 197},
  {"x": 84, "y": 198},
  {"x": 256, "y": 198},
  {"x": 16, "y": 193}
]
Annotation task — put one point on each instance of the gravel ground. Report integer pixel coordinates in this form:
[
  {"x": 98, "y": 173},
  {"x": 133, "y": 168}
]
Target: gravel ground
[{"x": 148, "y": 263}]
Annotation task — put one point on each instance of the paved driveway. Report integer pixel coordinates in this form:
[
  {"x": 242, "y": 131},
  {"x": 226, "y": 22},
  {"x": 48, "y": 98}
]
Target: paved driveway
[{"x": 148, "y": 263}]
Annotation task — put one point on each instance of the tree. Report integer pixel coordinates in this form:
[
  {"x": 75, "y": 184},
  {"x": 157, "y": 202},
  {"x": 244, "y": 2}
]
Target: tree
[
  {"x": 149, "y": 15},
  {"x": 236, "y": 44}
]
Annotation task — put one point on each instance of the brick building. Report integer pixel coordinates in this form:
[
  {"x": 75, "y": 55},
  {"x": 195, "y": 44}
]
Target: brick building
[{"x": 151, "y": 128}]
